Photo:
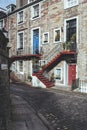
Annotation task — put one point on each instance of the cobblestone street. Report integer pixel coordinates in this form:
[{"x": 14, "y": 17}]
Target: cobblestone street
[{"x": 59, "y": 110}]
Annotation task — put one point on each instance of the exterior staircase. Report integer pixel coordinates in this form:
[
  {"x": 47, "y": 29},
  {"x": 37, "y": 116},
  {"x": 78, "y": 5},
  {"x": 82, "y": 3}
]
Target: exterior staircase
[
  {"x": 60, "y": 55},
  {"x": 22, "y": 54},
  {"x": 44, "y": 80}
]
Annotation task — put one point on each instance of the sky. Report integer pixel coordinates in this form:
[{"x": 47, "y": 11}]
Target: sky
[{"x": 4, "y": 3}]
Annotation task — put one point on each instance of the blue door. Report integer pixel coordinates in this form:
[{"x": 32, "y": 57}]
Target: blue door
[{"x": 36, "y": 41}]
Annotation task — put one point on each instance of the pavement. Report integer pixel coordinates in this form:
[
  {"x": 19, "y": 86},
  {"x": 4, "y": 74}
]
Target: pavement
[
  {"x": 23, "y": 116},
  {"x": 57, "y": 109}
]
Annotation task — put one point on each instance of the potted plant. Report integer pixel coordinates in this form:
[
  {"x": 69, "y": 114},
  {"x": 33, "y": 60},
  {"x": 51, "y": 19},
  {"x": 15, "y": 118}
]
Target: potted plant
[
  {"x": 67, "y": 46},
  {"x": 73, "y": 38}
]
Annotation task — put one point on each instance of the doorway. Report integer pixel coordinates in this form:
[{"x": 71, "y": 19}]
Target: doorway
[{"x": 36, "y": 41}]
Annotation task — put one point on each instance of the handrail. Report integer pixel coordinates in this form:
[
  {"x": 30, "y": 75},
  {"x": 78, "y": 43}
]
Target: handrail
[
  {"x": 20, "y": 51},
  {"x": 58, "y": 48}
]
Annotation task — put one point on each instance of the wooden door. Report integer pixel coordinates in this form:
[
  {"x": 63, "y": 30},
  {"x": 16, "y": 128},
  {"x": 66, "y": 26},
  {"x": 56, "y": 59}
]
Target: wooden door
[{"x": 71, "y": 73}]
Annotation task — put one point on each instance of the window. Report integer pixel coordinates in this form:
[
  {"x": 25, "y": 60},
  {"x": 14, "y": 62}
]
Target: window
[
  {"x": 20, "y": 40},
  {"x": 58, "y": 73},
  {"x": 35, "y": 11},
  {"x": 71, "y": 30},
  {"x": 45, "y": 38},
  {"x": 30, "y": 1},
  {"x": 21, "y": 66},
  {"x": 70, "y": 3},
  {"x": 1, "y": 24},
  {"x": 20, "y": 17},
  {"x": 57, "y": 35}
]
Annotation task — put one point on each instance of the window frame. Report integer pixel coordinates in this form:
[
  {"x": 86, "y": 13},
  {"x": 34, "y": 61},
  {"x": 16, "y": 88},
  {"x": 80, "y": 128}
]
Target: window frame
[
  {"x": 60, "y": 74},
  {"x": 18, "y": 42},
  {"x": 33, "y": 17},
  {"x": 31, "y": 1},
  {"x": 44, "y": 41},
  {"x": 19, "y": 21},
  {"x": 66, "y": 4},
  {"x": 2, "y": 23},
  {"x": 21, "y": 70},
  {"x": 57, "y": 29}
]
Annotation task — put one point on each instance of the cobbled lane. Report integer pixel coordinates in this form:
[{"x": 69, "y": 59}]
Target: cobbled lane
[{"x": 61, "y": 110}]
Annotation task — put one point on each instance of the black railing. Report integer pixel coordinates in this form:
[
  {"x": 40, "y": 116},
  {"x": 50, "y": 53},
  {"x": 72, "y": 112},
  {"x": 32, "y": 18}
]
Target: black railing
[
  {"x": 75, "y": 84},
  {"x": 73, "y": 47}
]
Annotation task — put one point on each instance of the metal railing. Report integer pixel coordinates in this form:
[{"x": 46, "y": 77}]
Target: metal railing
[
  {"x": 20, "y": 51},
  {"x": 53, "y": 52},
  {"x": 75, "y": 84},
  {"x": 80, "y": 84},
  {"x": 83, "y": 86}
]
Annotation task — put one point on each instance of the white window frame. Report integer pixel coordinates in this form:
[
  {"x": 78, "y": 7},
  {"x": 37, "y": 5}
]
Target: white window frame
[
  {"x": 55, "y": 75},
  {"x": 18, "y": 17},
  {"x": 76, "y": 30},
  {"x": 21, "y": 72},
  {"x": 18, "y": 42},
  {"x": 70, "y": 3},
  {"x": 2, "y": 23},
  {"x": 58, "y": 29},
  {"x": 45, "y": 40},
  {"x": 32, "y": 12},
  {"x": 30, "y": 1}
]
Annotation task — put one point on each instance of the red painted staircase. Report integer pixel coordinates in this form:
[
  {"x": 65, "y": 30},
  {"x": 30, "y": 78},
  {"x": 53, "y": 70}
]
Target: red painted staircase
[
  {"x": 44, "y": 80},
  {"x": 68, "y": 56},
  {"x": 24, "y": 57}
]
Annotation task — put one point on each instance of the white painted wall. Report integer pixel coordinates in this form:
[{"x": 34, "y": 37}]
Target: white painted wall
[{"x": 37, "y": 83}]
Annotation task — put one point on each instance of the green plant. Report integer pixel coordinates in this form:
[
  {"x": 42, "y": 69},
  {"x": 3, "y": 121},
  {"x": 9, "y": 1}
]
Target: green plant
[
  {"x": 73, "y": 38},
  {"x": 29, "y": 77},
  {"x": 67, "y": 45}
]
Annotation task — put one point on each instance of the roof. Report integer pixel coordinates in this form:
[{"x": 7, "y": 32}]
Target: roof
[{"x": 2, "y": 12}]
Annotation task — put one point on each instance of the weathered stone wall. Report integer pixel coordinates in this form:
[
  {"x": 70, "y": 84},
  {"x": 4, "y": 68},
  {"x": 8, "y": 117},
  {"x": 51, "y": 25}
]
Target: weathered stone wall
[
  {"x": 4, "y": 90},
  {"x": 52, "y": 16}
]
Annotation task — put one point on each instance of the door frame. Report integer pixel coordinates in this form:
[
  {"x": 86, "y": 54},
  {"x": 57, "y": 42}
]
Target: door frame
[
  {"x": 72, "y": 64},
  {"x": 32, "y": 38},
  {"x": 65, "y": 64}
]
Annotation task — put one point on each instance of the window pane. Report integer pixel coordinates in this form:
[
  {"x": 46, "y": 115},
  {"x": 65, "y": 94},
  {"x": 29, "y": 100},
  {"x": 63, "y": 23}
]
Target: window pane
[
  {"x": 1, "y": 24},
  {"x": 45, "y": 37},
  {"x": 21, "y": 66},
  {"x": 36, "y": 10},
  {"x": 21, "y": 16},
  {"x": 21, "y": 40},
  {"x": 71, "y": 30},
  {"x": 57, "y": 35}
]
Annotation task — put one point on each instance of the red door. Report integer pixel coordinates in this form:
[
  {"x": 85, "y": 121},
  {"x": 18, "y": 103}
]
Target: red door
[{"x": 71, "y": 73}]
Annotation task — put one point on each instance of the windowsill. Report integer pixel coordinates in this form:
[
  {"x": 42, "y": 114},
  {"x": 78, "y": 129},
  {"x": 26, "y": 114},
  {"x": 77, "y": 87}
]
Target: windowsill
[
  {"x": 57, "y": 42},
  {"x": 21, "y": 72},
  {"x": 36, "y": 17},
  {"x": 19, "y": 23},
  {"x": 19, "y": 49},
  {"x": 45, "y": 43},
  {"x": 70, "y": 6}
]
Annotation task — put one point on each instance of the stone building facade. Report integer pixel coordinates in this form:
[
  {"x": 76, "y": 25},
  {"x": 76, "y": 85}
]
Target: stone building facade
[{"x": 50, "y": 23}]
